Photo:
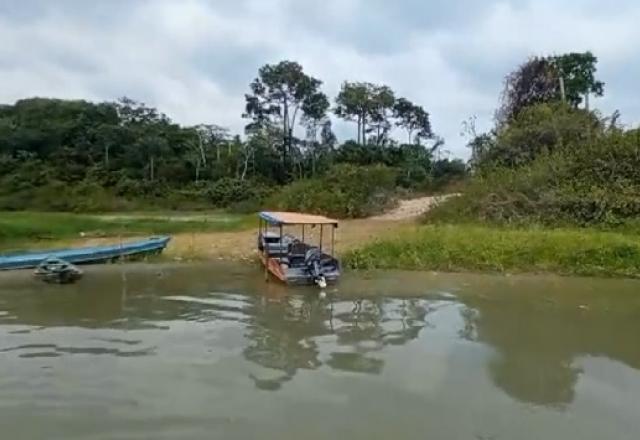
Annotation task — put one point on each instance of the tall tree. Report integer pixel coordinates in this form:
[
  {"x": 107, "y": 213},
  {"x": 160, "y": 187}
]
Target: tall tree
[
  {"x": 381, "y": 110},
  {"x": 369, "y": 105},
  {"x": 413, "y": 119},
  {"x": 541, "y": 79},
  {"x": 280, "y": 95},
  {"x": 352, "y": 104},
  {"x": 578, "y": 70}
]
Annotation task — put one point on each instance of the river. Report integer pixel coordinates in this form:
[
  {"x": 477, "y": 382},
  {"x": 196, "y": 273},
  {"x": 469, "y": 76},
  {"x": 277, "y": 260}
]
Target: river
[{"x": 212, "y": 351}]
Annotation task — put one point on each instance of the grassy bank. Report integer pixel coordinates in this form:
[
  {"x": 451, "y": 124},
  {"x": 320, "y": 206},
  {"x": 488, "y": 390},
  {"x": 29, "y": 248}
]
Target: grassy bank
[
  {"x": 494, "y": 249},
  {"x": 19, "y": 229}
]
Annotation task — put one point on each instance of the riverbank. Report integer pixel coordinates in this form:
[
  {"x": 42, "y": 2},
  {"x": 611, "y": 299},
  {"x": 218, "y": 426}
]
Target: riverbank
[
  {"x": 454, "y": 248},
  {"x": 393, "y": 241},
  {"x": 45, "y": 229}
]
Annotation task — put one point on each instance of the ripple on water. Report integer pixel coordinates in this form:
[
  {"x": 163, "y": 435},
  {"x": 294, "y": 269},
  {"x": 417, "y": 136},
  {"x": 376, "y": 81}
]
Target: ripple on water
[
  {"x": 216, "y": 306},
  {"x": 55, "y": 350}
]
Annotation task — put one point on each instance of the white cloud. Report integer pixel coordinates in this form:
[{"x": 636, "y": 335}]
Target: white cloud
[{"x": 193, "y": 59}]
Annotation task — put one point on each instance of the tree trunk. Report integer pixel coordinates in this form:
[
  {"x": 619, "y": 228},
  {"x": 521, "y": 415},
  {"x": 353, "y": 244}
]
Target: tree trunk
[
  {"x": 246, "y": 164},
  {"x": 201, "y": 148},
  {"x": 106, "y": 156},
  {"x": 285, "y": 135},
  {"x": 151, "y": 170}
]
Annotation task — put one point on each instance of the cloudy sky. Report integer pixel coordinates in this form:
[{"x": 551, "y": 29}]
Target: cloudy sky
[{"x": 193, "y": 59}]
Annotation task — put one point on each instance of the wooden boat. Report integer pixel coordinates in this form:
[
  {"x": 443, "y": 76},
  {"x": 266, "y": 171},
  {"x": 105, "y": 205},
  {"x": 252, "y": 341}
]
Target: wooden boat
[
  {"x": 85, "y": 255},
  {"x": 291, "y": 260}
]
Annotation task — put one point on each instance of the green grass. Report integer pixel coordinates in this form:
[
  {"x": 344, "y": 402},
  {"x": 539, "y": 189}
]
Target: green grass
[
  {"x": 24, "y": 228},
  {"x": 495, "y": 249}
]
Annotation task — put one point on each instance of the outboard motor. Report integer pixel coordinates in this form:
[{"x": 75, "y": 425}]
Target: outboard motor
[{"x": 312, "y": 262}]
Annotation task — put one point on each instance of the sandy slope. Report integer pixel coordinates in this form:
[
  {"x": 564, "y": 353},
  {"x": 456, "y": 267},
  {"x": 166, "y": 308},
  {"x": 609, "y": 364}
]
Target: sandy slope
[{"x": 412, "y": 208}]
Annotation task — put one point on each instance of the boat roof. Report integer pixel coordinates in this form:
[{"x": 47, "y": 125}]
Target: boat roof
[{"x": 295, "y": 218}]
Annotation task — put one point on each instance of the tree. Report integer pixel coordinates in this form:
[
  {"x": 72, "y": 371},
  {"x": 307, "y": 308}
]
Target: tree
[
  {"x": 280, "y": 94},
  {"x": 414, "y": 119},
  {"x": 370, "y": 105},
  {"x": 540, "y": 80},
  {"x": 353, "y": 105},
  {"x": 578, "y": 73},
  {"x": 210, "y": 135},
  {"x": 532, "y": 83},
  {"x": 381, "y": 108}
]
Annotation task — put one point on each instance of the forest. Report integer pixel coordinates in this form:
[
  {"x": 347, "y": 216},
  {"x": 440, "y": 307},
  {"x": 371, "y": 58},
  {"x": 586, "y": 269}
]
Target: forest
[
  {"x": 79, "y": 156},
  {"x": 550, "y": 158}
]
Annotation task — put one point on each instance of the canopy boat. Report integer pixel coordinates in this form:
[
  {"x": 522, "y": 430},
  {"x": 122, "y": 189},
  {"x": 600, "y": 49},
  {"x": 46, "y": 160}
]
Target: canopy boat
[
  {"x": 85, "y": 255},
  {"x": 290, "y": 259}
]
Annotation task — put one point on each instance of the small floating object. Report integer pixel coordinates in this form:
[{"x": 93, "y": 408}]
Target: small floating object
[{"x": 58, "y": 271}]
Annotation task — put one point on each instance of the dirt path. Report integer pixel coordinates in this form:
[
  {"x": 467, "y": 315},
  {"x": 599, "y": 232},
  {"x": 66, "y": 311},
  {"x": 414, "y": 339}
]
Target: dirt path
[{"x": 412, "y": 208}]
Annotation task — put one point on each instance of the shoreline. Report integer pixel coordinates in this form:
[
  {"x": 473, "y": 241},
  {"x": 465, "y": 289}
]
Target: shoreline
[
  {"x": 365, "y": 245},
  {"x": 161, "y": 267},
  {"x": 393, "y": 241}
]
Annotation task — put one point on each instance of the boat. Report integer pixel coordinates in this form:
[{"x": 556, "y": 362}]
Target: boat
[
  {"x": 288, "y": 258},
  {"x": 85, "y": 255},
  {"x": 55, "y": 270}
]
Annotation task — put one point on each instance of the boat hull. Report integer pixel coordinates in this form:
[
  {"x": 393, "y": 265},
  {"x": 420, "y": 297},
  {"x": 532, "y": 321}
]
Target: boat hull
[
  {"x": 295, "y": 276},
  {"x": 85, "y": 255}
]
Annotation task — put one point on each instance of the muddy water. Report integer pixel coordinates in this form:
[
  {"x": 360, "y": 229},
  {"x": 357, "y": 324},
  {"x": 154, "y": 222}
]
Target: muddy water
[{"x": 207, "y": 352}]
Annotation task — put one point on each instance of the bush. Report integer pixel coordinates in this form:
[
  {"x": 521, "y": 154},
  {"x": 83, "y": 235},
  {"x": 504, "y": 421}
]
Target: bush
[
  {"x": 596, "y": 183},
  {"x": 345, "y": 191},
  {"x": 227, "y": 191}
]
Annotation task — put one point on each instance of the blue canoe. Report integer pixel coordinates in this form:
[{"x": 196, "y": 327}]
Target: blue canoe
[{"x": 86, "y": 255}]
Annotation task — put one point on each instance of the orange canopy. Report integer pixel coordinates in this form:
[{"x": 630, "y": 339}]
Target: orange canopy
[{"x": 296, "y": 218}]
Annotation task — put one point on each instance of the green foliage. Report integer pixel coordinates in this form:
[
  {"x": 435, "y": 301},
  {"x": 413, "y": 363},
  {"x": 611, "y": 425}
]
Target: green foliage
[
  {"x": 576, "y": 172},
  {"x": 82, "y": 156},
  {"x": 477, "y": 248},
  {"x": 540, "y": 80},
  {"x": 227, "y": 191},
  {"x": 539, "y": 129},
  {"x": 370, "y": 105},
  {"x": 412, "y": 118},
  {"x": 578, "y": 72},
  {"x": 279, "y": 95},
  {"x": 346, "y": 191}
]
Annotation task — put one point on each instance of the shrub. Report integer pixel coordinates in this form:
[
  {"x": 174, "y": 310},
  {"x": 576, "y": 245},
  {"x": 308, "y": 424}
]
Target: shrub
[
  {"x": 345, "y": 191},
  {"x": 227, "y": 191},
  {"x": 596, "y": 183}
]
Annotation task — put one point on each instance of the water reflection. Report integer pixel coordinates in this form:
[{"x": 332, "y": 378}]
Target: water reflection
[
  {"x": 536, "y": 333},
  {"x": 539, "y": 340},
  {"x": 284, "y": 335}
]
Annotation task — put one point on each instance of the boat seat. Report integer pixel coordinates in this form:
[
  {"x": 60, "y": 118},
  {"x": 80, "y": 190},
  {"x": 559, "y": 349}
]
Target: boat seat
[
  {"x": 297, "y": 252},
  {"x": 274, "y": 246}
]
